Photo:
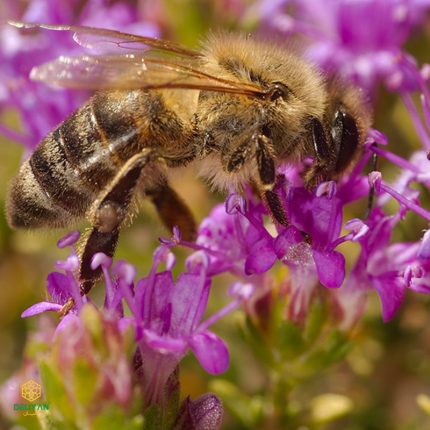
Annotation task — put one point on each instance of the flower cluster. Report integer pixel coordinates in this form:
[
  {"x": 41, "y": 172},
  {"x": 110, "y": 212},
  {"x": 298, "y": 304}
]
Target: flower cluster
[
  {"x": 165, "y": 314},
  {"x": 360, "y": 40}
]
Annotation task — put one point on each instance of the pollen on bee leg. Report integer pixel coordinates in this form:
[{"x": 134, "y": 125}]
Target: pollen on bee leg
[{"x": 108, "y": 217}]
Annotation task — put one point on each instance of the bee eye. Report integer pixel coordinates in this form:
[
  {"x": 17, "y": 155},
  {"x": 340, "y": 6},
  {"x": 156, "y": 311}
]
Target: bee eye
[
  {"x": 278, "y": 90},
  {"x": 345, "y": 137}
]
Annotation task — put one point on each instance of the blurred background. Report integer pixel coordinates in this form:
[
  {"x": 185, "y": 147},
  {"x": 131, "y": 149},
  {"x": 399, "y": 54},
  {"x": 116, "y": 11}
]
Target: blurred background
[{"x": 387, "y": 365}]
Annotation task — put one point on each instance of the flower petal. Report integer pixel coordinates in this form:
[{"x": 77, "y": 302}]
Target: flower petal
[
  {"x": 391, "y": 290},
  {"x": 260, "y": 258},
  {"x": 330, "y": 267},
  {"x": 59, "y": 288},
  {"x": 164, "y": 344},
  {"x": 189, "y": 298},
  {"x": 39, "y": 308},
  {"x": 290, "y": 236},
  {"x": 211, "y": 351}
]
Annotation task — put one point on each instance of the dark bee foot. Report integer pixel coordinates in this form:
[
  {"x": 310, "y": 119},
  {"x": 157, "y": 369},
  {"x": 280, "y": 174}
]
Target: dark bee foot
[
  {"x": 267, "y": 173},
  {"x": 276, "y": 209}
]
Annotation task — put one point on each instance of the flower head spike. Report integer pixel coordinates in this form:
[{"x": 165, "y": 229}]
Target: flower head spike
[
  {"x": 167, "y": 316},
  {"x": 171, "y": 313}
]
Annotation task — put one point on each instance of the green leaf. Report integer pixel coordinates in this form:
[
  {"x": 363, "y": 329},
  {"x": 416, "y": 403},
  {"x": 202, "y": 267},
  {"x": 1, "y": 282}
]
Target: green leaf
[
  {"x": 114, "y": 418},
  {"x": 315, "y": 321},
  {"x": 290, "y": 340},
  {"x": 336, "y": 346},
  {"x": 55, "y": 392},
  {"x": 153, "y": 418},
  {"x": 91, "y": 318},
  {"x": 84, "y": 381},
  {"x": 172, "y": 392},
  {"x": 164, "y": 414},
  {"x": 260, "y": 345},
  {"x": 47, "y": 422}
]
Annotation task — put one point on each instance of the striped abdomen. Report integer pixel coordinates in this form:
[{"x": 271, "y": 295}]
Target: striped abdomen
[{"x": 75, "y": 162}]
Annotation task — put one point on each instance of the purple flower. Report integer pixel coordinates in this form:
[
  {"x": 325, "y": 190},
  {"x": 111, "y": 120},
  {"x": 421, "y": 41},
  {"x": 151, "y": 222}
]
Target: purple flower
[
  {"x": 62, "y": 287},
  {"x": 360, "y": 40},
  {"x": 166, "y": 315},
  {"x": 237, "y": 240},
  {"x": 388, "y": 268},
  {"x": 94, "y": 341}
]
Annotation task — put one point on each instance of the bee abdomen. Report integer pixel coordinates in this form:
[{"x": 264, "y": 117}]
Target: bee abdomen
[
  {"x": 29, "y": 206},
  {"x": 48, "y": 190}
]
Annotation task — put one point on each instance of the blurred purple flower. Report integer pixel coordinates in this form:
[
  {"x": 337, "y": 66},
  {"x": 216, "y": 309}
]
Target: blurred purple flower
[
  {"x": 41, "y": 109},
  {"x": 388, "y": 268},
  {"x": 95, "y": 338},
  {"x": 359, "y": 40}
]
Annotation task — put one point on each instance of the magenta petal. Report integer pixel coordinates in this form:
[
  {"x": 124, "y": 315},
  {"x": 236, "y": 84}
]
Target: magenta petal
[
  {"x": 69, "y": 239},
  {"x": 391, "y": 290},
  {"x": 291, "y": 236},
  {"x": 39, "y": 308},
  {"x": 211, "y": 351},
  {"x": 424, "y": 251},
  {"x": 164, "y": 344},
  {"x": 260, "y": 259},
  {"x": 59, "y": 288},
  {"x": 330, "y": 267},
  {"x": 71, "y": 319}
]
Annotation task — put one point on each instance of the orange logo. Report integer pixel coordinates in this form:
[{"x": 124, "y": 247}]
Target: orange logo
[{"x": 31, "y": 391}]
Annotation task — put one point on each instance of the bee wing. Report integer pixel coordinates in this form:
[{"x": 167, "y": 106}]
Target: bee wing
[
  {"x": 135, "y": 72},
  {"x": 149, "y": 68},
  {"x": 103, "y": 40}
]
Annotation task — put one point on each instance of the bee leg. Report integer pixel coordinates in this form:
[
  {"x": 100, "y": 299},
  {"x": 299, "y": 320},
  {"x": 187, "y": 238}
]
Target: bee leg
[
  {"x": 236, "y": 159},
  {"x": 107, "y": 216},
  {"x": 267, "y": 173},
  {"x": 172, "y": 209},
  {"x": 318, "y": 172}
]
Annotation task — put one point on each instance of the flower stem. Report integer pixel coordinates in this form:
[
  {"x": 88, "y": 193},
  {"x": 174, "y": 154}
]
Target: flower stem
[
  {"x": 395, "y": 159},
  {"x": 406, "y": 202}
]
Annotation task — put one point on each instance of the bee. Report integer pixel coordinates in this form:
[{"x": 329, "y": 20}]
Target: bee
[{"x": 235, "y": 109}]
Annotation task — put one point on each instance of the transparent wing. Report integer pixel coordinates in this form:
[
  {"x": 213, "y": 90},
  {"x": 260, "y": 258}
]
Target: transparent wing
[
  {"x": 150, "y": 69},
  {"x": 110, "y": 41},
  {"x": 132, "y": 72}
]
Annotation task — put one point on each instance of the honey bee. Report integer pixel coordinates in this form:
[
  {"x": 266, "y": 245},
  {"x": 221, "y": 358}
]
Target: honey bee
[{"x": 236, "y": 109}]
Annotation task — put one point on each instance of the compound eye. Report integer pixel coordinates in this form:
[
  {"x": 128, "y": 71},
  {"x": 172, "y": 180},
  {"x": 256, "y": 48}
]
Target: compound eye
[
  {"x": 345, "y": 137},
  {"x": 279, "y": 90}
]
